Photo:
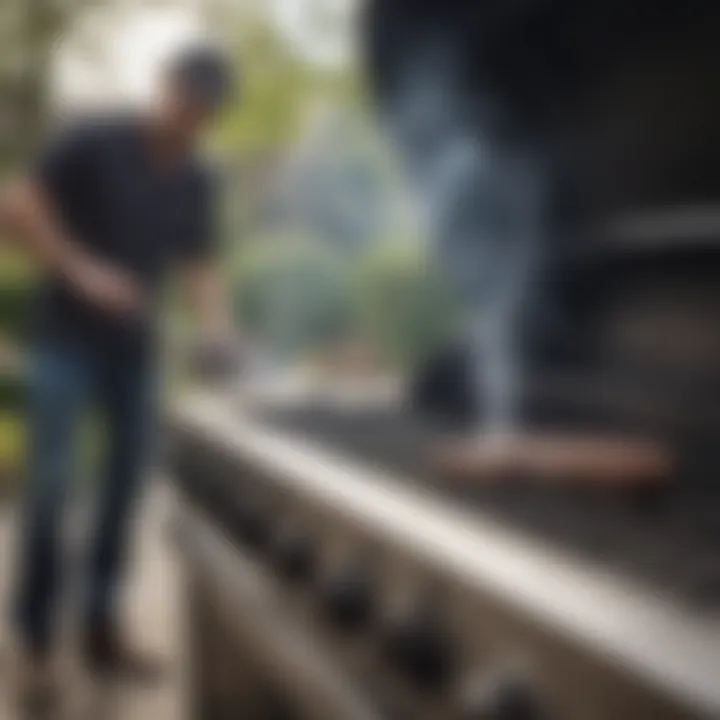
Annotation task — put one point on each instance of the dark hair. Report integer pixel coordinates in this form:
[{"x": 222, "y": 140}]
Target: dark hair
[{"x": 206, "y": 72}]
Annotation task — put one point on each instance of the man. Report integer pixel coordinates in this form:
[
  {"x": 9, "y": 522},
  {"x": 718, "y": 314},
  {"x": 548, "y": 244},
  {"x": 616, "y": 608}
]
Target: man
[{"x": 109, "y": 208}]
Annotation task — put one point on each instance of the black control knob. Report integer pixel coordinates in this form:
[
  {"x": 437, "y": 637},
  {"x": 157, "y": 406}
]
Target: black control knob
[
  {"x": 500, "y": 698},
  {"x": 251, "y": 526},
  {"x": 347, "y": 599},
  {"x": 208, "y": 495},
  {"x": 294, "y": 556},
  {"x": 420, "y": 647}
]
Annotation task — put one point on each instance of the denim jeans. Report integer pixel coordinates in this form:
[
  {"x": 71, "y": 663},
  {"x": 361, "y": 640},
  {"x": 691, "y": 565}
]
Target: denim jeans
[{"x": 67, "y": 380}]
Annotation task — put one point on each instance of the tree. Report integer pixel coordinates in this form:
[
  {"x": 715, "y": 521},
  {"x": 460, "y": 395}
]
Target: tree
[
  {"x": 295, "y": 296},
  {"x": 29, "y": 30},
  {"x": 403, "y": 306}
]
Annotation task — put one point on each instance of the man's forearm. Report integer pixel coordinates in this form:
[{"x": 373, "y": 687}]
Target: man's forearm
[
  {"x": 26, "y": 217},
  {"x": 210, "y": 301}
]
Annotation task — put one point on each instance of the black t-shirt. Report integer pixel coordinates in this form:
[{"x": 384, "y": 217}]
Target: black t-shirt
[{"x": 113, "y": 200}]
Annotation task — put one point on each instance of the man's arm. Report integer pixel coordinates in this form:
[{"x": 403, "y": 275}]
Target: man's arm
[
  {"x": 218, "y": 353},
  {"x": 204, "y": 283},
  {"x": 27, "y": 216},
  {"x": 209, "y": 300}
]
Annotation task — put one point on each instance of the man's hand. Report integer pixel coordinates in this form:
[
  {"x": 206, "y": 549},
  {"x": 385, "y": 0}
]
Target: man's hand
[
  {"x": 219, "y": 351},
  {"x": 217, "y": 360},
  {"x": 107, "y": 288},
  {"x": 26, "y": 211}
]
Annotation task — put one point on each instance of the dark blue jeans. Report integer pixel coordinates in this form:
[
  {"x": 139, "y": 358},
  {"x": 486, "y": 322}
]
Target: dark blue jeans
[{"x": 67, "y": 380}]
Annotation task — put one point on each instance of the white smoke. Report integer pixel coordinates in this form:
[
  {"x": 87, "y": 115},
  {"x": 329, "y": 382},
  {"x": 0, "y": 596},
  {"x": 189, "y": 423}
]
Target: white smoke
[{"x": 482, "y": 192}]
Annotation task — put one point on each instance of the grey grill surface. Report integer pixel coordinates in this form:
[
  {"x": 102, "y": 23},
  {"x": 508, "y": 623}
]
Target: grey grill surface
[{"x": 669, "y": 538}]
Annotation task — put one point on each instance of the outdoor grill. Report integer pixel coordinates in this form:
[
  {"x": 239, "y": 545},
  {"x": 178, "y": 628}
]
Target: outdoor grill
[
  {"x": 335, "y": 574},
  {"x": 421, "y": 604}
]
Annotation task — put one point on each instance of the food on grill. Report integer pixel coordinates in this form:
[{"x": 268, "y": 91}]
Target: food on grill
[{"x": 603, "y": 462}]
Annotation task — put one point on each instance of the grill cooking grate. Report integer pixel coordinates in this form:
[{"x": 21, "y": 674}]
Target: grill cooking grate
[{"x": 669, "y": 538}]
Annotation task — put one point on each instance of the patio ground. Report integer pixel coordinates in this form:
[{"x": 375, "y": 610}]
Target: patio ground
[{"x": 154, "y": 617}]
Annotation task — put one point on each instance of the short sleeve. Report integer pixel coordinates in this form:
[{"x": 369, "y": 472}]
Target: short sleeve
[
  {"x": 63, "y": 165},
  {"x": 200, "y": 236}
]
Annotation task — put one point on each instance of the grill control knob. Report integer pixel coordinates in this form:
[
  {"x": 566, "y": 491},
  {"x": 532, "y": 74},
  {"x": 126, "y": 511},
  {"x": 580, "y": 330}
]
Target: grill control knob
[
  {"x": 500, "y": 698},
  {"x": 252, "y": 526},
  {"x": 348, "y": 599},
  {"x": 294, "y": 556},
  {"x": 421, "y": 648}
]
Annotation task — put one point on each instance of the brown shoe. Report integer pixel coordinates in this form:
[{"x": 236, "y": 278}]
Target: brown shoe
[{"x": 107, "y": 654}]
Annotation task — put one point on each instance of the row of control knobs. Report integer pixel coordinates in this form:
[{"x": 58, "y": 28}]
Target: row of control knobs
[{"x": 415, "y": 641}]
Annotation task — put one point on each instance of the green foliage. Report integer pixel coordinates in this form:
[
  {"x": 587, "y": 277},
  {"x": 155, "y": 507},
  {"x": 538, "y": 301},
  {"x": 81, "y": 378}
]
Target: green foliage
[
  {"x": 403, "y": 306},
  {"x": 293, "y": 294},
  {"x": 298, "y": 297},
  {"x": 18, "y": 289},
  {"x": 16, "y": 309},
  {"x": 13, "y": 391},
  {"x": 276, "y": 92},
  {"x": 13, "y": 441},
  {"x": 272, "y": 94},
  {"x": 28, "y": 33}
]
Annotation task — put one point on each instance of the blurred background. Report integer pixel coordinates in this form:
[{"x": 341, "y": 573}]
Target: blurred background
[
  {"x": 588, "y": 140},
  {"x": 320, "y": 237},
  {"x": 321, "y": 240}
]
